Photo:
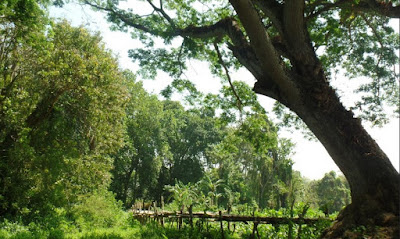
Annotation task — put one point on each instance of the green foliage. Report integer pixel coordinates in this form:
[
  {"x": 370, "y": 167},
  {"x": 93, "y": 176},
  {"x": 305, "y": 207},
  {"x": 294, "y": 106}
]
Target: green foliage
[
  {"x": 164, "y": 143},
  {"x": 73, "y": 125},
  {"x": 129, "y": 228},
  {"x": 137, "y": 165},
  {"x": 16, "y": 230},
  {"x": 359, "y": 41},
  {"x": 98, "y": 210},
  {"x": 189, "y": 134},
  {"x": 364, "y": 45},
  {"x": 97, "y": 215},
  {"x": 55, "y": 82},
  {"x": 183, "y": 195},
  {"x": 333, "y": 192},
  {"x": 251, "y": 162}
]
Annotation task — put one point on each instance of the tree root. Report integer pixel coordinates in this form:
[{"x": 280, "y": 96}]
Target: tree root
[{"x": 365, "y": 221}]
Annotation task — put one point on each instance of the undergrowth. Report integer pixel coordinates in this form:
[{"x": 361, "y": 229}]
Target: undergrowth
[{"x": 101, "y": 216}]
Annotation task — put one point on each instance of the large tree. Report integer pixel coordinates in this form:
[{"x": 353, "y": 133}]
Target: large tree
[
  {"x": 55, "y": 81},
  {"x": 137, "y": 165},
  {"x": 277, "y": 41},
  {"x": 332, "y": 191}
]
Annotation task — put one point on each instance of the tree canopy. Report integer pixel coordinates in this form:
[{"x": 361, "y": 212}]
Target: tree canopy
[
  {"x": 55, "y": 82},
  {"x": 195, "y": 29}
]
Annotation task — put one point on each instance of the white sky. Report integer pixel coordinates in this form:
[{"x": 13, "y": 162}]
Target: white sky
[{"x": 310, "y": 157}]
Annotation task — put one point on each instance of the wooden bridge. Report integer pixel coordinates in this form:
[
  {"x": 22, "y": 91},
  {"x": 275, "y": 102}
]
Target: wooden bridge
[
  {"x": 159, "y": 215},
  {"x": 225, "y": 217}
]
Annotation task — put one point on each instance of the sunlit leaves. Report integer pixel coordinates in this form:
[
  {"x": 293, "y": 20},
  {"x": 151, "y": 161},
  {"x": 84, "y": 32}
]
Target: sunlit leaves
[
  {"x": 333, "y": 192},
  {"x": 183, "y": 195},
  {"x": 57, "y": 84},
  {"x": 251, "y": 162},
  {"x": 364, "y": 45},
  {"x": 290, "y": 120},
  {"x": 189, "y": 134}
]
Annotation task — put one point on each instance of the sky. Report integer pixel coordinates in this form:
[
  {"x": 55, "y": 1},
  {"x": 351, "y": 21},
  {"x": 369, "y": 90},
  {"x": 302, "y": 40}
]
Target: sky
[{"x": 310, "y": 157}]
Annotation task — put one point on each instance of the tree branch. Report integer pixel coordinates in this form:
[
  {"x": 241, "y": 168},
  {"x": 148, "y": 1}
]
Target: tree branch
[
  {"x": 293, "y": 20},
  {"x": 162, "y": 12},
  {"x": 123, "y": 17},
  {"x": 274, "y": 11},
  {"x": 247, "y": 57},
  {"x": 376, "y": 35},
  {"x": 44, "y": 108},
  {"x": 239, "y": 102},
  {"x": 263, "y": 48},
  {"x": 225, "y": 27},
  {"x": 325, "y": 8},
  {"x": 382, "y": 8}
]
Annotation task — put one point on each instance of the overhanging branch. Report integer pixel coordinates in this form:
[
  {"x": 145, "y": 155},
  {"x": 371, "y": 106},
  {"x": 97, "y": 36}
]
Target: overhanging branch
[
  {"x": 371, "y": 6},
  {"x": 239, "y": 101},
  {"x": 162, "y": 12},
  {"x": 294, "y": 28},
  {"x": 264, "y": 49},
  {"x": 124, "y": 17},
  {"x": 225, "y": 27}
]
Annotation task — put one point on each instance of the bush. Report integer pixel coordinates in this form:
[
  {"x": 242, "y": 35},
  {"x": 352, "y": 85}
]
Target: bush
[
  {"x": 16, "y": 230},
  {"x": 99, "y": 210}
]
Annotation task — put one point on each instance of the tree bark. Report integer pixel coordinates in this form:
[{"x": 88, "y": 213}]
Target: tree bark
[
  {"x": 366, "y": 167},
  {"x": 374, "y": 182}
]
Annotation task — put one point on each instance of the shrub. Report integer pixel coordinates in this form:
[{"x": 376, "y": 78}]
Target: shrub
[{"x": 98, "y": 210}]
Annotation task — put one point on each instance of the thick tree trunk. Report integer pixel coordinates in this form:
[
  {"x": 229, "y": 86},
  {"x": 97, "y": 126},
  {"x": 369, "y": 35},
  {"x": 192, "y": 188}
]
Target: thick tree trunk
[
  {"x": 366, "y": 167},
  {"x": 303, "y": 87},
  {"x": 373, "y": 180}
]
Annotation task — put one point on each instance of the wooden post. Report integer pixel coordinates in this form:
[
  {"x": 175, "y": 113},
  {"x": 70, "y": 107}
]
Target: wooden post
[
  {"x": 290, "y": 233},
  {"x": 162, "y": 211},
  {"x": 180, "y": 220},
  {"x": 155, "y": 211},
  {"x": 177, "y": 220},
  {"x": 222, "y": 225},
  {"x": 302, "y": 215},
  {"x": 299, "y": 231},
  {"x": 205, "y": 213},
  {"x": 191, "y": 216},
  {"x": 229, "y": 223},
  {"x": 254, "y": 230}
]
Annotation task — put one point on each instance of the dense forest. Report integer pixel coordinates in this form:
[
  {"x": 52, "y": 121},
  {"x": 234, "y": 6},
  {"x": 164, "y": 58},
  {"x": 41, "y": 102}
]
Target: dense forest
[{"x": 82, "y": 142}]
